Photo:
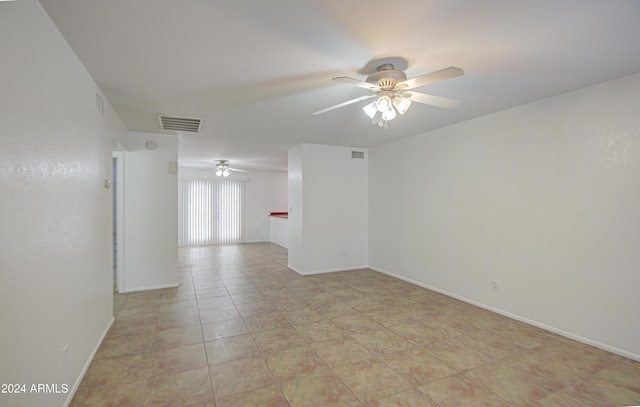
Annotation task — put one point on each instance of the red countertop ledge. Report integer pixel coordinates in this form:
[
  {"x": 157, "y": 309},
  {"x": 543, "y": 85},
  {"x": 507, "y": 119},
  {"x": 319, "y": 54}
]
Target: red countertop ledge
[{"x": 284, "y": 215}]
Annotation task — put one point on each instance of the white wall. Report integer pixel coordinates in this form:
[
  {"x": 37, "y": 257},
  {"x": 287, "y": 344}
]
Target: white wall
[
  {"x": 55, "y": 218},
  {"x": 150, "y": 252},
  {"x": 266, "y": 192},
  {"x": 279, "y": 231},
  {"x": 544, "y": 198},
  {"x": 328, "y": 209},
  {"x": 296, "y": 252}
]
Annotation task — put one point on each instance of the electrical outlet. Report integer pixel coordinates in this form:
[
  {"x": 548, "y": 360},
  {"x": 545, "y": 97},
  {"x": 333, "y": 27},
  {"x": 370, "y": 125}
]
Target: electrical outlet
[{"x": 495, "y": 285}]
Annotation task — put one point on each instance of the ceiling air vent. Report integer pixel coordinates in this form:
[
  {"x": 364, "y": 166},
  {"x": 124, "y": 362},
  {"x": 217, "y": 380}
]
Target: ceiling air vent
[
  {"x": 176, "y": 123},
  {"x": 357, "y": 154}
]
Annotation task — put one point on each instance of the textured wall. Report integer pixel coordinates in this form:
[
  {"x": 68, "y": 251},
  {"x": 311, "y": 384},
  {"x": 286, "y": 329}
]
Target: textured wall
[
  {"x": 55, "y": 214},
  {"x": 544, "y": 198},
  {"x": 328, "y": 211},
  {"x": 150, "y": 252}
]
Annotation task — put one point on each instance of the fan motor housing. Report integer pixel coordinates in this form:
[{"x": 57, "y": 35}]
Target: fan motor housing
[{"x": 387, "y": 77}]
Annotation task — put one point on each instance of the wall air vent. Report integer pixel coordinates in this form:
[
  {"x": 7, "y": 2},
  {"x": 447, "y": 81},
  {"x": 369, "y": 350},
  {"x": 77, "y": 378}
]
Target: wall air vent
[
  {"x": 357, "y": 154},
  {"x": 176, "y": 123}
]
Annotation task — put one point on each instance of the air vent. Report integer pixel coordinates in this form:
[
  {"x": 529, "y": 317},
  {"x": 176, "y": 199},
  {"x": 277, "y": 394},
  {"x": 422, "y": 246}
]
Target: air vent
[
  {"x": 387, "y": 83},
  {"x": 176, "y": 123},
  {"x": 357, "y": 154}
]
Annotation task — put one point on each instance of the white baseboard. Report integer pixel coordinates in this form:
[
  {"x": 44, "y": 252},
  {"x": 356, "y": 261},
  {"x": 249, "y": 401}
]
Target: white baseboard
[
  {"x": 148, "y": 288},
  {"x": 325, "y": 271},
  {"x": 83, "y": 372},
  {"x": 289, "y": 266},
  {"x": 507, "y": 314}
]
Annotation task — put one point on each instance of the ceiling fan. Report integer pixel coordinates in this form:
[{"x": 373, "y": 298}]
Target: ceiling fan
[
  {"x": 222, "y": 168},
  {"x": 393, "y": 92}
]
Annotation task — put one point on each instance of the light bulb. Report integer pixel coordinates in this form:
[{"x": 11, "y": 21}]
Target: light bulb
[
  {"x": 219, "y": 172},
  {"x": 370, "y": 109},
  {"x": 383, "y": 103},
  {"x": 225, "y": 173}
]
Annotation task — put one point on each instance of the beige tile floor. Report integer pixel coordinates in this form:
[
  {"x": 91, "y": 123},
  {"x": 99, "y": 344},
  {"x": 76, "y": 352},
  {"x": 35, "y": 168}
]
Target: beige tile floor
[{"x": 243, "y": 330}]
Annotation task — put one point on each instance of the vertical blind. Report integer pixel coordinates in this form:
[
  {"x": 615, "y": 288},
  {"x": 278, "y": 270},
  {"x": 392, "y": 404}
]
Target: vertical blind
[{"x": 213, "y": 211}]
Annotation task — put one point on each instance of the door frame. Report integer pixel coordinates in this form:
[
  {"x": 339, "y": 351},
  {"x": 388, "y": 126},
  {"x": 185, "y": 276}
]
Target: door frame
[{"x": 118, "y": 211}]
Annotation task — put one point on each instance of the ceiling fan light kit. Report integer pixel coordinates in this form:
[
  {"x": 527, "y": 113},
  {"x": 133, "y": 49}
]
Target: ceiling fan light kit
[
  {"x": 387, "y": 105},
  {"x": 389, "y": 88},
  {"x": 223, "y": 169}
]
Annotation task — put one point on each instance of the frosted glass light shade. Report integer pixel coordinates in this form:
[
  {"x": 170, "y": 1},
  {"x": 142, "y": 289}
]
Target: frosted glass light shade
[
  {"x": 370, "y": 109},
  {"x": 389, "y": 114},
  {"x": 402, "y": 104},
  {"x": 383, "y": 103}
]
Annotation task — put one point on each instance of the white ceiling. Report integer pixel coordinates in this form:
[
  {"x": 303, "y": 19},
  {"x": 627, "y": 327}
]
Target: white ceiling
[{"x": 256, "y": 70}]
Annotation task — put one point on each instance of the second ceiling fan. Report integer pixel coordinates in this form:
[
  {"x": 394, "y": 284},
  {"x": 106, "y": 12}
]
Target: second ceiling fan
[
  {"x": 393, "y": 92},
  {"x": 223, "y": 169}
]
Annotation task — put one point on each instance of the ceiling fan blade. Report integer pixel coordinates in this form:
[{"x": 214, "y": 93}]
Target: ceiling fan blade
[
  {"x": 348, "y": 102},
  {"x": 235, "y": 169},
  {"x": 357, "y": 82},
  {"x": 438, "y": 101},
  {"x": 436, "y": 76}
]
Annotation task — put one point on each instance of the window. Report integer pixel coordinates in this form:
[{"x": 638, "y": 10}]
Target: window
[{"x": 213, "y": 211}]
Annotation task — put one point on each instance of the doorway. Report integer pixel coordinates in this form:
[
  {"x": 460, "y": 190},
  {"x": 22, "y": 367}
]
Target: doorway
[{"x": 117, "y": 224}]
